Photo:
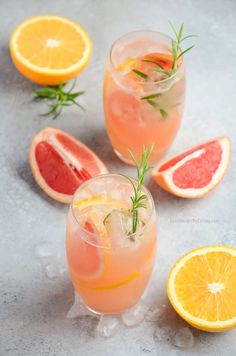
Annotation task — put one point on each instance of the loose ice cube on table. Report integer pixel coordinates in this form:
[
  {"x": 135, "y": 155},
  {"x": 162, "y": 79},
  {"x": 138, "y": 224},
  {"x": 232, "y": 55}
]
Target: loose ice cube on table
[
  {"x": 155, "y": 314},
  {"x": 135, "y": 315},
  {"x": 184, "y": 338},
  {"x": 78, "y": 309},
  {"x": 163, "y": 333},
  {"x": 108, "y": 325}
]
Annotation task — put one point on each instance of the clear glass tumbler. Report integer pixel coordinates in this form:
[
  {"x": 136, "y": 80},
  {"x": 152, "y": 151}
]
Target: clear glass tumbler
[
  {"x": 142, "y": 110},
  {"x": 109, "y": 265}
]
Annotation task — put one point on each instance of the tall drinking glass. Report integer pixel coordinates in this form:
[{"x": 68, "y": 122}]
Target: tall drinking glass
[
  {"x": 142, "y": 104},
  {"x": 109, "y": 265}
]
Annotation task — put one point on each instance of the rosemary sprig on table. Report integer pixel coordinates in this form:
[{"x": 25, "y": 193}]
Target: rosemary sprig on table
[
  {"x": 139, "y": 199},
  {"x": 177, "y": 53},
  {"x": 59, "y": 98}
]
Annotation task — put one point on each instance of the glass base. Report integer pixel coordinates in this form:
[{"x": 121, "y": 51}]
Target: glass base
[
  {"x": 123, "y": 159},
  {"x": 106, "y": 312},
  {"x": 131, "y": 316},
  {"x": 131, "y": 163}
]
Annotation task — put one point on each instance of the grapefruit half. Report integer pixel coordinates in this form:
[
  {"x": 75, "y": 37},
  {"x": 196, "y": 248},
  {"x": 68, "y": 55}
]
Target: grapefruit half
[
  {"x": 60, "y": 163},
  {"x": 195, "y": 172}
]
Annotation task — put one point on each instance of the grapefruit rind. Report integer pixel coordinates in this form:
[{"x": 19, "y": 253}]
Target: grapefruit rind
[
  {"x": 205, "y": 325},
  {"x": 164, "y": 178},
  {"x": 49, "y": 135}
]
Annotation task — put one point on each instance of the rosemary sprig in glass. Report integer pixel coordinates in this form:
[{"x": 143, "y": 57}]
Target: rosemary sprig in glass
[
  {"x": 177, "y": 53},
  {"x": 59, "y": 97},
  {"x": 139, "y": 199}
]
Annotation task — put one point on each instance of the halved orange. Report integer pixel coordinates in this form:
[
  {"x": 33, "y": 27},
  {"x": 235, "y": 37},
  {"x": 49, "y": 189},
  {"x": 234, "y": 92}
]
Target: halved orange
[
  {"x": 50, "y": 49},
  {"x": 202, "y": 288}
]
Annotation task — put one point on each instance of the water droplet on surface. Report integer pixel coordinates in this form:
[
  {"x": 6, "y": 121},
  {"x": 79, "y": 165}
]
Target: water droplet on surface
[
  {"x": 108, "y": 325},
  {"x": 135, "y": 315},
  {"x": 78, "y": 309},
  {"x": 62, "y": 270},
  {"x": 43, "y": 250},
  {"x": 163, "y": 333},
  {"x": 183, "y": 338},
  {"x": 51, "y": 271}
]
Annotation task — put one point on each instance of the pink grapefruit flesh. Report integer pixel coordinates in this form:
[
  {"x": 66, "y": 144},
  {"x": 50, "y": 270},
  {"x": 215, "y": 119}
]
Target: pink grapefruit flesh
[
  {"x": 60, "y": 163},
  {"x": 195, "y": 172}
]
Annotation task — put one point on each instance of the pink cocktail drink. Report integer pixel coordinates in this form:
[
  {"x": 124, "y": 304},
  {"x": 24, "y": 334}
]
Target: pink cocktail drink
[
  {"x": 109, "y": 265},
  {"x": 141, "y": 105}
]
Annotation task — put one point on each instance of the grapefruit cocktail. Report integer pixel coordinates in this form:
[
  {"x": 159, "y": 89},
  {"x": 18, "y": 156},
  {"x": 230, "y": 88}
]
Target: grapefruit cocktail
[
  {"x": 110, "y": 265},
  {"x": 144, "y": 93}
]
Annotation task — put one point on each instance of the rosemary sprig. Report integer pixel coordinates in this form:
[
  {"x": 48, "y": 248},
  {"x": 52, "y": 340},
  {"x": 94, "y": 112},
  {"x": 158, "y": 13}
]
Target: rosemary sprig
[
  {"x": 175, "y": 50},
  {"x": 139, "y": 199},
  {"x": 177, "y": 53},
  {"x": 59, "y": 98}
]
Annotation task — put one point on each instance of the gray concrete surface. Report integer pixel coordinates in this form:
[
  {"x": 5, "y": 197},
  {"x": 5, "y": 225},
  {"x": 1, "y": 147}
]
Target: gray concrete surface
[{"x": 33, "y": 307}]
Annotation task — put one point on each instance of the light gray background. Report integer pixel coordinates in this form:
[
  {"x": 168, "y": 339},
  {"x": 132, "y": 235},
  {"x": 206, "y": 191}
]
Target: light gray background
[{"x": 33, "y": 308}]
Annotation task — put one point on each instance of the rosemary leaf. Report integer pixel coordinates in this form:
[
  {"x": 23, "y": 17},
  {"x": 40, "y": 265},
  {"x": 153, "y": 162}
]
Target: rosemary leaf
[
  {"x": 154, "y": 104},
  {"x": 186, "y": 50},
  {"x": 160, "y": 70},
  {"x": 59, "y": 98},
  {"x": 164, "y": 114},
  {"x": 139, "y": 199},
  {"x": 152, "y": 96},
  {"x": 141, "y": 74}
]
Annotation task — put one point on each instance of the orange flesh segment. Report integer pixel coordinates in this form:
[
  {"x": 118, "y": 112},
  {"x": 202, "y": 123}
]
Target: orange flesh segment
[
  {"x": 56, "y": 52},
  {"x": 192, "y": 286}
]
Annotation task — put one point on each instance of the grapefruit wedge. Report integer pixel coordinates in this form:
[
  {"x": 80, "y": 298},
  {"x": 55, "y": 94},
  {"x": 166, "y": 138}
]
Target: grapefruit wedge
[
  {"x": 60, "y": 163},
  {"x": 195, "y": 172}
]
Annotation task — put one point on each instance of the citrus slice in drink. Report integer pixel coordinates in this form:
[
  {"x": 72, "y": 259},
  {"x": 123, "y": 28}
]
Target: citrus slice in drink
[
  {"x": 156, "y": 60},
  {"x": 195, "y": 172},
  {"x": 90, "y": 259},
  {"x": 84, "y": 256},
  {"x": 87, "y": 251},
  {"x": 202, "y": 287},
  {"x": 87, "y": 258},
  {"x": 60, "y": 163},
  {"x": 50, "y": 49},
  {"x": 148, "y": 67},
  {"x": 99, "y": 200}
]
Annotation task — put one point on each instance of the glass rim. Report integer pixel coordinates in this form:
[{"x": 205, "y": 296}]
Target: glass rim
[
  {"x": 166, "y": 80},
  {"x": 108, "y": 175}
]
